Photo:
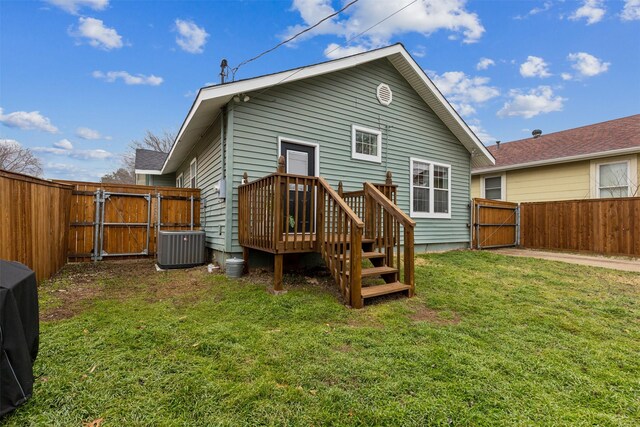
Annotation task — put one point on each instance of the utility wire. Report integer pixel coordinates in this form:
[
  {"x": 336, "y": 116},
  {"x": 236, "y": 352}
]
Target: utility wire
[
  {"x": 346, "y": 42},
  {"x": 234, "y": 70}
]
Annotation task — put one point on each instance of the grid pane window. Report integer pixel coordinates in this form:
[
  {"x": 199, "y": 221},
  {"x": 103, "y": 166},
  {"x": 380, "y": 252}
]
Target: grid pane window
[
  {"x": 430, "y": 189},
  {"x": 613, "y": 180},
  {"x": 366, "y": 143},
  {"x": 493, "y": 188}
]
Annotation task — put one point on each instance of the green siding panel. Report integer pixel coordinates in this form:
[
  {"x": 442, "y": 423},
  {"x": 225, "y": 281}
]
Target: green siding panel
[
  {"x": 322, "y": 110},
  {"x": 209, "y": 173}
]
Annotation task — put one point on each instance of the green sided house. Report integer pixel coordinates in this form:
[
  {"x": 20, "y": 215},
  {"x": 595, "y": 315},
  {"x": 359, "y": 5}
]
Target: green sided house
[{"x": 359, "y": 158}]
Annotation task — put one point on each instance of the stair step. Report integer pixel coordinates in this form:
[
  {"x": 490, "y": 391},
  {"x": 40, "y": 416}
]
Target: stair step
[
  {"x": 342, "y": 239},
  {"x": 365, "y": 255},
  {"x": 376, "y": 271},
  {"x": 389, "y": 288}
]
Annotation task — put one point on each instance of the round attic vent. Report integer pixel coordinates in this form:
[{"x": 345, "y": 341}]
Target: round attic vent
[{"x": 384, "y": 94}]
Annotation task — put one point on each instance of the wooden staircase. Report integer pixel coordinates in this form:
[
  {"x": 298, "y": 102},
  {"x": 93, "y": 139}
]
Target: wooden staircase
[{"x": 365, "y": 239}]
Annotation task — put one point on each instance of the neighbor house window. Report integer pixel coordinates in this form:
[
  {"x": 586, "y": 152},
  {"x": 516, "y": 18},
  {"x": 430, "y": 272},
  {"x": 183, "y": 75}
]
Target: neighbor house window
[
  {"x": 193, "y": 173},
  {"x": 612, "y": 179},
  {"x": 493, "y": 187},
  {"x": 179, "y": 181},
  {"x": 366, "y": 144},
  {"x": 430, "y": 189}
]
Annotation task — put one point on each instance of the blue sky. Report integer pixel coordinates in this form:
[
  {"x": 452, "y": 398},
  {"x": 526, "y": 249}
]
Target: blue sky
[{"x": 79, "y": 79}]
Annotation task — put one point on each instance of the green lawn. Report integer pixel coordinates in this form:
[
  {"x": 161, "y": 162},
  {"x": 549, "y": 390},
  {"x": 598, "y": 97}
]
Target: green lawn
[{"x": 488, "y": 340}]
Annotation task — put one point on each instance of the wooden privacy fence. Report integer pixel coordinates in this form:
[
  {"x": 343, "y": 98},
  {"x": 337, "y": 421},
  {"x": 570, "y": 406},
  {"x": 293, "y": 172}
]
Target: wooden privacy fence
[
  {"x": 603, "y": 226},
  {"x": 118, "y": 220},
  {"x": 494, "y": 224},
  {"x": 34, "y": 218}
]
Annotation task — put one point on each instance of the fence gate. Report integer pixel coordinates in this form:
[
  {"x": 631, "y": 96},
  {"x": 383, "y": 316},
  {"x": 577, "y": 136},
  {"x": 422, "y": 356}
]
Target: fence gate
[
  {"x": 496, "y": 224},
  {"x": 122, "y": 224}
]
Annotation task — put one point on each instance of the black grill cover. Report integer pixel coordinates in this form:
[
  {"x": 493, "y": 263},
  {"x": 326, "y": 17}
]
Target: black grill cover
[{"x": 19, "y": 334}]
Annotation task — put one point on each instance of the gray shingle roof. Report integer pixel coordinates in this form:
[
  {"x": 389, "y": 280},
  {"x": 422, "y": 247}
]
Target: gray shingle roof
[{"x": 149, "y": 159}]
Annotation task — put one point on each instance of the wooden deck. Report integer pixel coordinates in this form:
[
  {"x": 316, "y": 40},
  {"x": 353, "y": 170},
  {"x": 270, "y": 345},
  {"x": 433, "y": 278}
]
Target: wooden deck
[{"x": 348, "y": 228}]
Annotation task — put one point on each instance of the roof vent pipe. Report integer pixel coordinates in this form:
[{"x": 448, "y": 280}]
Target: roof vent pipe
[
  {"x": 536, "y": 133},
  {"x": 223, "y": 68},
  {"x": 497, "y": 145}
]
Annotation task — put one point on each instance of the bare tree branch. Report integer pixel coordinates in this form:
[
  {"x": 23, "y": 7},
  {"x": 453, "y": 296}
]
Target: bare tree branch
[
  {"x": 121, "y": 176},
  {"x": 15, "y": 158}
]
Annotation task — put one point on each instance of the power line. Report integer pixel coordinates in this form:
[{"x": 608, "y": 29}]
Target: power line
[
  {"x": 234, "y": 70},
  {"x": 346, "y": 42}
]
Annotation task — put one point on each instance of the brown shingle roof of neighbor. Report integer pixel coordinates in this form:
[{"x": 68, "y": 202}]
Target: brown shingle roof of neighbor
[
  {"x": 149, "y": 159},
  {"x": 611, "y": 135}
]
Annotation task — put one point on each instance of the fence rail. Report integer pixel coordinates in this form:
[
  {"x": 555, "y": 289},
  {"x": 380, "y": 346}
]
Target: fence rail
[
  {"x": 603, "y": 226},
  {"x": 34, "y": 214}
]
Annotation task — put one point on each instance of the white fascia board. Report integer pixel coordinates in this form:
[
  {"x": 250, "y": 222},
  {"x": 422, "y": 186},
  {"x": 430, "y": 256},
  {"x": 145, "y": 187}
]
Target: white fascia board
[
  {"x": 567, "y": 159},
  {"x": 147, "y": 172}
]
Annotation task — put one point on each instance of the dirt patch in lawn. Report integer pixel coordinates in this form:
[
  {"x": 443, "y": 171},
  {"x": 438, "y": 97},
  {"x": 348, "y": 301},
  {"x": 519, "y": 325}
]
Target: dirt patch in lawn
[
  {"x": 72, "y": 290},
  {"x": 422, "y": 313}
]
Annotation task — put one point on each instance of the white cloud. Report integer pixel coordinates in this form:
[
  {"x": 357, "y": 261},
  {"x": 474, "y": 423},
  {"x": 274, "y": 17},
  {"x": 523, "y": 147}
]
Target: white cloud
[
  {"x": 10, "y": 143},
  {"x": 191, "y": 38},
  {"x": 62, "y": 149},
  {"x": 419, "y": 52},
  {"x": 587, "y": 65},
  {"x": 97, "y": 34},
  {"x": 536, "y": 10},
  {"x": 65, "y": 144},
  {"x": 534, "y": 66},
  {"x": 631, "y": 11},
  {"x": 591, "y": 10},
  {"x": 74, "y": 6},
  {"x": 536, "y": 101},
  {"x": 464, "y": 92},
  {"x": 334, "y": 50},
  {"x": 423, "y": 17},
  {"x": 484, "y": 63},
  {"x": 91, "y": 134},
  {"x": 481, "y": 132},
  {"x": 566, "y": 76},
  {"x": 129, "y": 79},
  {"x": 28, "y": 121}
]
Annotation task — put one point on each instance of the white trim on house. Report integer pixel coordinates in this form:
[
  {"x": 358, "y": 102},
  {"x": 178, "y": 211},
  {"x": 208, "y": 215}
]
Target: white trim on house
[
  {"x": 315, "y": 145},
  {"x": 632, "y": 175},
  {"x": 180, "y": 180},
  {"x": 210, "y": 99},
  {"x": 193, "y": 181},
  {"x": 431, "y": 213},
  {"x": 503, "y": 185},
  {"x": 367, "y": 157},
  {"x": 147, "y": 172},
  {"x": 558, "y": 160}
]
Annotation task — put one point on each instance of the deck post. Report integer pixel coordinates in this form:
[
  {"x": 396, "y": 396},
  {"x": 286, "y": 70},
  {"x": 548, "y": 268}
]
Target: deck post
[
  {"x": 355, "y": 276},
  {"x": 277, "y": 272},
  {"x": 281, "y": 164},
  {"x": 340, "y": 189},
  {"x": 388, "y": 180},
  {"x": 409, "y": 278},
  {"x": 245, "y": 257}
]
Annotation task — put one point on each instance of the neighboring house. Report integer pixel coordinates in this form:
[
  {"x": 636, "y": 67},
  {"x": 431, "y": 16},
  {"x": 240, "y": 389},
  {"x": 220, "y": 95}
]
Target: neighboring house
[
  {"x": 594, "y": 161},
  {"x": 350, "y": 120},
  {"x": 147, "y": 169}
]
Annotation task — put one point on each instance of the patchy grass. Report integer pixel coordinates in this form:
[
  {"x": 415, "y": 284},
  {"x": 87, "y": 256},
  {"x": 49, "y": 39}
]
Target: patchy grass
[{"x": 488, "y": 340}]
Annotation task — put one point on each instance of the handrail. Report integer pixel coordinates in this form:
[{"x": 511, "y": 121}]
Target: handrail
[{"x": 388, "y": 205}]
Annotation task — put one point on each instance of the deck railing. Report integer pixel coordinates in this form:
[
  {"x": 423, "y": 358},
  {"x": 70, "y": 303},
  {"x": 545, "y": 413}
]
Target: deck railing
[
  {"x": 277, "y": 213},
  {"x": 340, "y": 228},
  {"x": 386, "y": 223}
]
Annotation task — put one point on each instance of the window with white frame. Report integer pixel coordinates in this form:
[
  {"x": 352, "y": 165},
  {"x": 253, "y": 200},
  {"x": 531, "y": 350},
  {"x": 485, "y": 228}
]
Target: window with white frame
[
  {"x": 612, "y": 179},
  {"x": 193, "y": 173},
  {"x": 179, "y": 181},
  {"x": 430, "y": 189},
  {"x": 493, "y": 187},
  {"x": 366, "y": 144}
]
